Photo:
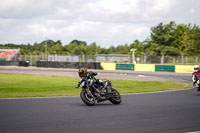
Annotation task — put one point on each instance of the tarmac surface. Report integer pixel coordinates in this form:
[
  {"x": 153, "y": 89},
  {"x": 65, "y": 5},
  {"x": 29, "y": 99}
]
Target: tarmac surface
[
  {"x": 102, "y": 74},
  {"x": 163, "y": 112}
]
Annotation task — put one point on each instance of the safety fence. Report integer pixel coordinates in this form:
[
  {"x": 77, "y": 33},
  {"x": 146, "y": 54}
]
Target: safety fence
[
  {"x": 105, "y": 58},
  {"x": 105, "y": 66},
  {"x": 148, "y": 67}
]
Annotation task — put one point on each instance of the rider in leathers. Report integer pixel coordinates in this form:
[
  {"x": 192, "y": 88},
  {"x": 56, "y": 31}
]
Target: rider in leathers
[
  {"x": 194, "y": 77},
  {"x": 83, "y": 74}
]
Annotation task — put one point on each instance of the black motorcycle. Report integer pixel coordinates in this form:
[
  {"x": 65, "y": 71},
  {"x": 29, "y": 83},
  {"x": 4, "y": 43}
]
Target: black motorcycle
[
  {"x": 93, "y": 93},
  {"x": 197, "y": 83}
]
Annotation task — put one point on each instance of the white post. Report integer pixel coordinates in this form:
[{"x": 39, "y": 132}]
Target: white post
[
  {"x": 133, "y": 50},
  {"x": 30, "y": 59},
  {"x": 196, "y": 59},
  {"x": 173, "y": 60},
  {"x": 43, "y": 56},
  {"x": 182, "y": 57},
  {"x": 145, "y": 59},
  {"x": 24, "y": 57},
  {"x": 46, "y": 54},
  {"x": 20, "y": 57},
  {"x": 36, "y": 57},
  {"x": 83, "y": 56},
  {"x": 68, "y": 59},
  {"x": 162, "y": 59},
  {"x": 54, "y": 56}
]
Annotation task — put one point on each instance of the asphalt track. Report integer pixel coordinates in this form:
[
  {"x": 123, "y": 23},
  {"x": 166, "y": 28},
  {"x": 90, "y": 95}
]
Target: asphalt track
[
  {"x": 164, "y": 112},
  {"x": 126, "y": 75}
]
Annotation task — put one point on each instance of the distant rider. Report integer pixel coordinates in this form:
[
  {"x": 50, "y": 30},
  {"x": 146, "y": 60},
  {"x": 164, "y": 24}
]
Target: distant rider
[
  {"x": 90, "y": 75},
  {"x": 194, "y": 77}
]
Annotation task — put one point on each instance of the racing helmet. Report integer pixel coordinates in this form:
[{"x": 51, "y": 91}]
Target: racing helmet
[
  {"x": 82, "y": 72},
  {"x": 196, "y": 68}
]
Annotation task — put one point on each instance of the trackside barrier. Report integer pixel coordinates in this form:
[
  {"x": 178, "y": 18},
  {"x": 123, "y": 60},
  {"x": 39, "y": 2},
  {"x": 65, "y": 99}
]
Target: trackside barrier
[
  {"x": 124, "y": 66},
  {"x": 184, "y": 69},
  {"x": 77, "y": 65},
  {"x": 145, "y": 67},
  {"x": 9, "y": 63},
  {"x": 164, "y": 68},
  {"x": 108, "y": 66}
]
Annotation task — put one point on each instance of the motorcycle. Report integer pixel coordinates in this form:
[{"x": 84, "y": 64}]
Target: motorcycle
[
  {"x": 197, "y": 83},
  {"x": 93, "y": 93}
]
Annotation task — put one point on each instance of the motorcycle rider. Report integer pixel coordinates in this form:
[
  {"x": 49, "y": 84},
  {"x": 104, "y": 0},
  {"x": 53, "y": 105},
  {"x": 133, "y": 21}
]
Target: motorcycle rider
[
  {"x": 90, "y": 75},
  {"x": 194, "y": 77}
]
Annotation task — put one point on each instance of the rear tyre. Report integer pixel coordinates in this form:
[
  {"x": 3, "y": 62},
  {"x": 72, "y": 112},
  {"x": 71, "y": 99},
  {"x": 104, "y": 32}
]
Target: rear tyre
[
  {"x": 116, "y": 97},
  {"x": 87, "y": 99}
]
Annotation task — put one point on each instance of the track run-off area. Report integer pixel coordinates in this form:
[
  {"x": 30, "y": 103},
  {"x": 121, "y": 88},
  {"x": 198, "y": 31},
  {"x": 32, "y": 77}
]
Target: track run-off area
[
  {"x": 166, "y": 112},
  {"x": 159, "y": 112}
]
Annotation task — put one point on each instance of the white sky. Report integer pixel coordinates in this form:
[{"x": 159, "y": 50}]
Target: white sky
[{"x": 106, "y": 22}]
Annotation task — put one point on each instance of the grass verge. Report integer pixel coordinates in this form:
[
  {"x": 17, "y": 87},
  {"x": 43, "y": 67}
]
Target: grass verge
[{"x": 17, "y": 85}]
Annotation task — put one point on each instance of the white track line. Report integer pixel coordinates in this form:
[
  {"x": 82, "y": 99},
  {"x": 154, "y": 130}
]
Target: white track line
[
  {"x": 194, "y": 132},
  {"x": 156, "y": 92}
]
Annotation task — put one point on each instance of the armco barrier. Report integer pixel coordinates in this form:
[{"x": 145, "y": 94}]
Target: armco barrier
[
  {"x": 89, "y": 65},
  {"x": 184, "y": 69},
  {"x": 108, "y": 66},
  {"x": 164, "y": 68},
  {"x": 145, "y": 67},
  {"x": 9, "y": 63},
  {"x": 124, "y": 66},
  {"x": 23, "y": 63}
]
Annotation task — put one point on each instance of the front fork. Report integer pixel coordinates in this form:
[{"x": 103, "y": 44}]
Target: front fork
[{"x": 87, "y": 90}]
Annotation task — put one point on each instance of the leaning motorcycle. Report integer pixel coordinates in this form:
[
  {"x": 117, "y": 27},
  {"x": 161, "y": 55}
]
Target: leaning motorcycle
[
  {"x": 197, "y": 83},
  {"x": 91, "y": 92}
]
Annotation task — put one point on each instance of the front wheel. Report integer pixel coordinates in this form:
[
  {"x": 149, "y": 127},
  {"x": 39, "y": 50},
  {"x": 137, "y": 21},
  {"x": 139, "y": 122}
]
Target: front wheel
[
  {"x": 116, "y": 97},
  {"x": 86, "y": 98}
]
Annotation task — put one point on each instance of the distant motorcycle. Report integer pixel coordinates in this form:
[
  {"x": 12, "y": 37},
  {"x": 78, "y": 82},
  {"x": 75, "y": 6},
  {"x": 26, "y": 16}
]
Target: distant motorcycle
[
  {"x": 197, "y": 83},
  {"x": 92, "y": 92}
]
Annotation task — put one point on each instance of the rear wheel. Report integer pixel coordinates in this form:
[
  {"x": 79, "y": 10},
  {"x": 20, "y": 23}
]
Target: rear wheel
[
  {"x": 87, "y": 99},
  {"x": 116, "y": 97}
]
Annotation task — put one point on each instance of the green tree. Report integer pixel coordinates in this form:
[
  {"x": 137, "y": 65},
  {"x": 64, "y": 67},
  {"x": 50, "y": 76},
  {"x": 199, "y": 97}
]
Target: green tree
[
  {"x": 162, "y": 38},
  {"x": 138, "y": 46}
]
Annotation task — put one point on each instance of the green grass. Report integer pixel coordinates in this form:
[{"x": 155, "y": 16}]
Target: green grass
[{"x": 14, "y": 85}]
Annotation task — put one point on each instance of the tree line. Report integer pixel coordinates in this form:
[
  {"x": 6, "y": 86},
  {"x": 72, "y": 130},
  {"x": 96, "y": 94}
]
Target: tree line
[{"x": 165, "y": 39}]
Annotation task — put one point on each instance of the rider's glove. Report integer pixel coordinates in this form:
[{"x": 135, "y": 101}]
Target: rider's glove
[{"x": 78, "y": 85}]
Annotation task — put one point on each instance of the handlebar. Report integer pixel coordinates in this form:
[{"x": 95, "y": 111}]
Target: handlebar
[{"x": 92, "y": 73}]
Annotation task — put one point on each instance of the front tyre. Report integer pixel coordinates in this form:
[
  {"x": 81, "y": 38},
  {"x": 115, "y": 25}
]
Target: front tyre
[
  {"x": 116, "y": 97},
  {"x": 87, "y": 99}
]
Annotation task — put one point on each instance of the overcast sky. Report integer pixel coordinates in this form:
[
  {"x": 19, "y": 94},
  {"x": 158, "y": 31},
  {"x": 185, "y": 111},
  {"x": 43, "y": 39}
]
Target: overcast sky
[{"x": 106, "y": 22}]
